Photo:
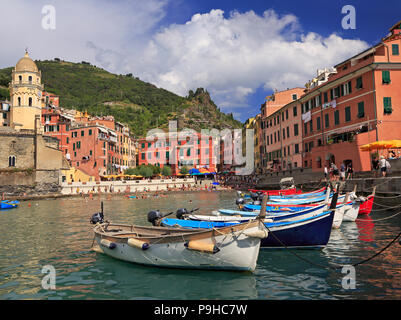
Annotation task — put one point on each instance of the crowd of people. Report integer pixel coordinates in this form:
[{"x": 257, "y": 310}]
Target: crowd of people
[
  {"x": 381, "y": 167},
  {"x": 334, "y": 174}
]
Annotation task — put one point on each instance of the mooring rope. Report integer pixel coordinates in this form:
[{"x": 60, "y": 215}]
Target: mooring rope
[
  {"x": 338, "y": 265},
  {"x": 387, "y": 197},
  {"x": 387, "y": 180},
  {"x": 381, "y": 219}
]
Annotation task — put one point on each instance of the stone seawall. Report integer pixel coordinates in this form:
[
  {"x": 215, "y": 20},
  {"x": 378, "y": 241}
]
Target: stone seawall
[
  {"x": 129, "y": 186},
  {"x": 29, "y": 182}
]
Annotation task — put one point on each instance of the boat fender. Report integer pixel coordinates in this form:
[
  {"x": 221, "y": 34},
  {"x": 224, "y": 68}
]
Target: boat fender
[
  {"x": 268, "y": 220},
  {"x": 135, "y": 243},
  {"x": 201, "y": 246},
  {"x": 108, "y": 244},
  {"x": 261, "y": 234}
]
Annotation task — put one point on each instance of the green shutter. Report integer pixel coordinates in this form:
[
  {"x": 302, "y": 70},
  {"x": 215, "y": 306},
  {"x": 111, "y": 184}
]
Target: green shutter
[
  {"x": 359, "y": 83},
  {"x": 387, "y": 105},
  {"x": 395, "y": 49},
  {"x": 325, "y": 97},
  {"x": 318, "y": 123},
  {"x": 361, "y": 110},
  {"x": 386, "y": 76},
  {"x": 349, "y": 87},
  {"x": 348, "y": 114},
  {"x": 336, "y": 117},
  {"x": 326, "y": 120}
]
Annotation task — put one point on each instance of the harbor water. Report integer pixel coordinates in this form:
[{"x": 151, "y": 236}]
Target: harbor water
[{"x": 57, "y": 233}]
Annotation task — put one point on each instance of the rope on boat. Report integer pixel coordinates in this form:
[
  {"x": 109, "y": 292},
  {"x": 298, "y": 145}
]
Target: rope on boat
[
  {"x": 387, "y": 180},
  {"x": 381, "y": 219},
  {"x": 338, "y": 265},
  {"x": 387, "y": 197}
]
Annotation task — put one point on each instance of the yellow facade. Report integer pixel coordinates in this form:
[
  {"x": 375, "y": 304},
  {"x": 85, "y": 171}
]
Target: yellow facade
[
  {"x": 76, "y": 175},
  {"x": 25, "y": 94}
]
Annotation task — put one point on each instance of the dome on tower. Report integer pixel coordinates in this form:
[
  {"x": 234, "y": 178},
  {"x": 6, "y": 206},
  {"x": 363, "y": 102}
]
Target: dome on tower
[{"x": 26, "y": 64}]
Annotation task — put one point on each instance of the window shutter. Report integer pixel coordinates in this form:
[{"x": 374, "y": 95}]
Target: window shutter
[
  {"x": 395, "y": 49},
  {"x": 361, "y": 110},
  {"x": 387, "y": 105},
  {"x": 386, "y": 76},
  {"x": 359, "y": 83},
  {"x": 348, "y": 114},
  {"x": 336, "y": 117}
]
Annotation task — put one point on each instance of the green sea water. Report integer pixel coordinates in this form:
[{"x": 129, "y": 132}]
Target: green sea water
[{"x": 57, "y": 233}]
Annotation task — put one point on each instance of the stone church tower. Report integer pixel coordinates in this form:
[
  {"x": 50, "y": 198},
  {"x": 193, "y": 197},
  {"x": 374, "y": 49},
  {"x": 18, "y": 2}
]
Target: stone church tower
[{"x": 25, "y": 94}]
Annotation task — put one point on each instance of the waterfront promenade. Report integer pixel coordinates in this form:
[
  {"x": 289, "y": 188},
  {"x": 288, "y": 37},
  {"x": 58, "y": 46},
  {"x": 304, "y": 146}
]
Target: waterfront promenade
[{"x": 126, "y": 186}]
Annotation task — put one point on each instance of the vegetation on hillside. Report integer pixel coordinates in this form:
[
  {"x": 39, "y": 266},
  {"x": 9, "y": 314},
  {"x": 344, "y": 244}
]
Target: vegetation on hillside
[{"x": 139, "y": 104}]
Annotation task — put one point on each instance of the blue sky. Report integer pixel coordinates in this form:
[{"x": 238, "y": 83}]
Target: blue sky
[
  {"x": 240, "y": 51},
  {"x": 373, "y": 19}
]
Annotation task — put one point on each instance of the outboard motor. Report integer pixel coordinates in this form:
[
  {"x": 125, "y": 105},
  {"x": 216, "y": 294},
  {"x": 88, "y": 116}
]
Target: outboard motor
[
  {"x": 153, "y": 216},
  {"x": 181, "y": 212},
  {"x": 239, "y": 201},
  {"x": 97, "y": 218}
]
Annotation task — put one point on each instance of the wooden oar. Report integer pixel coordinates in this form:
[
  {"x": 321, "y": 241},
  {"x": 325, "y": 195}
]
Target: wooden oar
[{"x": 262, "y": 213}]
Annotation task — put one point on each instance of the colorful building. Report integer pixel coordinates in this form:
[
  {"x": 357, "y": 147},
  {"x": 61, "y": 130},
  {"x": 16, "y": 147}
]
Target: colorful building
[
  {"x": 358, "y": 104},
  {"x": 280, "y": 136},
  {"x": 177, "y": 151},
  {"x": 25, "y": 94}
]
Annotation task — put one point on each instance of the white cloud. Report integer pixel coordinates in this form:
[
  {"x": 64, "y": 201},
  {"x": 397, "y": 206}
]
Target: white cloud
[
  {"x": 230, "y": 56},
  {"x": 100, "y": 31},
  {"x": 234, "y": 56}
]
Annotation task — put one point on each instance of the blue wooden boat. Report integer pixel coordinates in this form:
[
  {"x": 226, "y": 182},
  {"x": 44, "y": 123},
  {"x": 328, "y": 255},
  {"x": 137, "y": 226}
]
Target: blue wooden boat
[
  {"x": 311, "y": 201},
  {"x": 7, "y": 204},
  {"x": 309, "y": 232},
  {"x": 279, "y": 215},
  {"x": 299, "y": 196}
]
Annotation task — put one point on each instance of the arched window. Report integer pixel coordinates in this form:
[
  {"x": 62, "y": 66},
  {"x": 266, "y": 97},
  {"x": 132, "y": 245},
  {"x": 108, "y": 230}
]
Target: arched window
[
  {"x": 30, "y": 102},
  {"x": 11, "y": 161},
  {"x": 19, "y": 101},
  {"x": 30, "y": 79},
  {"x": 20, "y": 78}
]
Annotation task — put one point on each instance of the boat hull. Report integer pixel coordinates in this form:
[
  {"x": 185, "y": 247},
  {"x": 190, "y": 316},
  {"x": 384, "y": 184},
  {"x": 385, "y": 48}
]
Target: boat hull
[
  {"x": 366, "y": 207},
  {"x": 6, "y": 204},
  {"x": 305, "y": 234},
  {"x": 238, "y": 252},
  {"x": 278, "y": 192}
]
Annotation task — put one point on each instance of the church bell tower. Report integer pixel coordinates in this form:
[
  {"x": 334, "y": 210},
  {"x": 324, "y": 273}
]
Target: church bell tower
[{"x": 25, "y": 94}]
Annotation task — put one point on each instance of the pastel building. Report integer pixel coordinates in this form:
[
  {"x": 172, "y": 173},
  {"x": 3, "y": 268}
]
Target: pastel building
[
  {"x": 178, "y": 150},
  {"x": 280, "y": 136},
  {"x": 358, "y": 104},
  {"x": 25, "y": 94}
]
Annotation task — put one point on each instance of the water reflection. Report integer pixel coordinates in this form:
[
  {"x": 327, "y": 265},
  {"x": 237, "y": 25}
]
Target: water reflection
[{"x": 57, "y": 232}]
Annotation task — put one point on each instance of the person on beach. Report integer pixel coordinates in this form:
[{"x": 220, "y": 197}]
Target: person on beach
[
  {"x": 350, "y": 171},
  {"x": 342, "y": 171},
  {"x": 334, "y": 171},
  {"x": 384, "y": 165},
  {"x": 375, "y": 167}
]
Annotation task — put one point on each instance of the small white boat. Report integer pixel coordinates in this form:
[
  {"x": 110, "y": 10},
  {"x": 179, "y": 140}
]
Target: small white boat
[{"x": 229, "y": 248}]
